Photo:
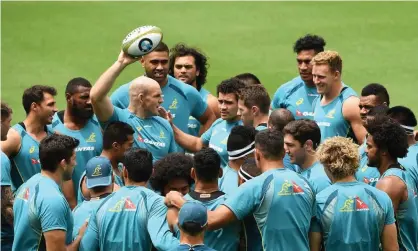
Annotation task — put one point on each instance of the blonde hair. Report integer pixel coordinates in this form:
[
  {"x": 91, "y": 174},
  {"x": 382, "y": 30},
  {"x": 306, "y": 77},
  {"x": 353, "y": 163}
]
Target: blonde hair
[
  {"x": 339, "y": 156},
  {"x": 330, "y": 58}
]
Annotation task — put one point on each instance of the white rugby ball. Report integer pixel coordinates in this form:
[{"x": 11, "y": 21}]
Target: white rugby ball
[{"x": 142, "y": 40}]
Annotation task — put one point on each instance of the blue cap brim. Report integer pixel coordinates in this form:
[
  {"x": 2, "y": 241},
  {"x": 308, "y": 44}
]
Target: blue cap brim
[{"x": 97, "y": 182}]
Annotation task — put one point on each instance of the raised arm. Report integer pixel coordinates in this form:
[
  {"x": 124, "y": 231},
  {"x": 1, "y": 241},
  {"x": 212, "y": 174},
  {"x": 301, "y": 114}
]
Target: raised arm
[
  {"x": 206, "y": 120},
  {"x": 351, "y": 113},
  {"x": 101, "y": 103}
]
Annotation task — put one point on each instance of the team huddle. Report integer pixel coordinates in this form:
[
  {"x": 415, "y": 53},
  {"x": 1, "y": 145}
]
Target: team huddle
[{"x": 162, "y": 164}]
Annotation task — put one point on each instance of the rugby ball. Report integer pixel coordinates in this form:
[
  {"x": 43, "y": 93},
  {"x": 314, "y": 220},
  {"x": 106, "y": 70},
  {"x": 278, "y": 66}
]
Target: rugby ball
[{"x": 142, "y": 40}]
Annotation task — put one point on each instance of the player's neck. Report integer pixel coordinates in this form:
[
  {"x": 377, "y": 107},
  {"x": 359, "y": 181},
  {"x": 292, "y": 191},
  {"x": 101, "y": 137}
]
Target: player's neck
[
  {"x": 113, "y": 161},
  {"x": 385, "y": 163},
  {"x": 163, "y": 83},
  {"x": 128, "y": 182},
  {"x": 263, "y": 118},
  {"x": 34, "y": 125},
  {"x": 73, "y": 122},
  {"x": 234, "y": 119},
  {"x": 350, "y": 178},
  {"x": 267, "y": 165},
  {"x": 309, "y": 161},
  {"x": 191, "y": 240},
  {"x": 235, "y": 164},
  {"x": 333, "y": 93},
  {"x": 309, "y": 83},
  {"x": 94, "y": 195},
  {"x": 411, "y": 140},
  {"x": 138, "y": 111},
  {"x": 206, "y": 187},
  {"x": 56, "y": 176},
  {"x": 194, "y": 84}
]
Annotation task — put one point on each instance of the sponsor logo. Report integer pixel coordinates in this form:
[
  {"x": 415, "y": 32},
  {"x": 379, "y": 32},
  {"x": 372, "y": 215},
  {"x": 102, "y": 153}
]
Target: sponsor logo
[
  {"x": 138, "y": 128},
  {"x": 147, "y": 126},
  {"x": 173, "y": 104},
  {"x": 32, "y": 149},
  {"x": 140, "y": 139},
  {"x": 330, "y": 114},
  {"x": 92, "y": 138},
  {"x": 354, "y": 204},
  {"x": 299, "y": 102},
  {"x": 97, "y": 171},
  {"x": 290, "y": 188},
  {"x": 35, "y": 161},
  {"x": 216, "y": 148},
  {"x": 84, "y": 148},
  {"x": 193, "y": 126},
  {"x": 370, "y": 180},
  {"x": 159, "y": 144},
  {"x": 24, "y": 195},
  {"x": 124, "y": 204},
  {"x": 305, "y": 114},
  {"x": 327, "y": 124}
]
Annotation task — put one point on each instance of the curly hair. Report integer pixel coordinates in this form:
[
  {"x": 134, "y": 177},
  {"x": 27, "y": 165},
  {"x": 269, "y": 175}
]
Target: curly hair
[
  {"x": 378, "y": 90},
  {"x": 388, "y": 135},
  {"x": 339, "y": 156},
  {"x": 171, "y": 167},
  {"x": 231, "y": 85},
  {"x": 200, "y": 60},
  {"x": 309, "y": 42},
  {"x": 330, "y": 58}
]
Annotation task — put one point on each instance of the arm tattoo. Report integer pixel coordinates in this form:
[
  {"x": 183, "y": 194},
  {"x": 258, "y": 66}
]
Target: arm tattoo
[{"x": 7, "y": 204}]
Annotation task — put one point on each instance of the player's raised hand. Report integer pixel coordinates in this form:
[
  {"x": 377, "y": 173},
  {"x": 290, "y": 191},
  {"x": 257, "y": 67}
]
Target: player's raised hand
[
  {"x": 174, "y": 199},
  {"x": 165, "y": 114},
  {"x": 125, "y": 59}
]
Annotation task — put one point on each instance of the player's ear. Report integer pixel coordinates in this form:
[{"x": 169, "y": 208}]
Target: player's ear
[
  {"x": 142, "y": 61},
  {"x": 308, "y": 145},
  {"x": 68, "y": 97},
  {"x": 254, "y": 109},
  {"x": 193, "y": 173}
]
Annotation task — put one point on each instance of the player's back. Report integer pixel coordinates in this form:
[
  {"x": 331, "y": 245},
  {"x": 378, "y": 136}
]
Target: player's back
[
  {"x": 133, "y": 218},
  {"x": 91, "y": 143},
  {"x": 296, "y": 97},
  {"x": 227, "y": 238},
  {"x": 82, "y": 212},
  {"x": 330, "y": 117},
  {"x": 352, "y": 216},
  {"x": 228, "y": 183},
  {"x": 283, "y": 205},
  {"x": 25, "y": 163},
  {"x": 407, "y": 213},
  {"x": 39, "y": 206},
  {"x": 410, "y": 162}
]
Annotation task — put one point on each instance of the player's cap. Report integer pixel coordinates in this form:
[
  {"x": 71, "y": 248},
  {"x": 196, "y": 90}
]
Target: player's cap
[
  {"x": 98, "y": 172},
  {"x": 193, "y": 212}
]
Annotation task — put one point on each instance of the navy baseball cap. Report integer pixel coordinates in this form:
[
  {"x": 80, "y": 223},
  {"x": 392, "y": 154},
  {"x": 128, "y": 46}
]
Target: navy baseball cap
[
  {"x": 193, "y": 212},
  {"x": 98, "y": 172}
]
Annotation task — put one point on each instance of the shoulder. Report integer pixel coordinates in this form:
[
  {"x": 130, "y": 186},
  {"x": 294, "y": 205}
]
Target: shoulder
[
  {"x": 181, "y": 88},
  {"x": 217, "y": 122},
  {"x": 348, "y": 92},
  {"x": 391, "y": 183},
  {"x": 323, "y": 196},
  {"x": 350, "y": 107},
  {"x": 162, "y": 122}
]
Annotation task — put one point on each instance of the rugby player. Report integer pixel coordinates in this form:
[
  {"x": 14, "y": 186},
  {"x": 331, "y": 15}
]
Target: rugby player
[
  {"x": 298, "y": 94},
  {"x": 254, "y": 106},
  {"x": 22, "y": 144},
  {"x": 336, "y": 110}
]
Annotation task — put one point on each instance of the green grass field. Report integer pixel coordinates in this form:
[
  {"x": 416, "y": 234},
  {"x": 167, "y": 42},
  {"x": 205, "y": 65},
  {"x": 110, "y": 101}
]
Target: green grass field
[{"x": 51, "y": 42}]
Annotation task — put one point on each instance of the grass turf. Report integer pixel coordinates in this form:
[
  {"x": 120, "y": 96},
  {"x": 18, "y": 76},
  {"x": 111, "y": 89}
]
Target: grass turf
[{"x": 51, "y": 42}]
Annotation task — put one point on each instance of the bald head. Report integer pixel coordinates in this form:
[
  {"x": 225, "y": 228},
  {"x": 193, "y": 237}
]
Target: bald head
[
  {"x": 280, "y": 118},
  {"x": 145, "y": 93}
]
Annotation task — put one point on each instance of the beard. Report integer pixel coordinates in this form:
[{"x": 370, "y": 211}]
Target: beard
[
  {"x": 373, "y": 162},
  {"x": 81, "y": 112}
]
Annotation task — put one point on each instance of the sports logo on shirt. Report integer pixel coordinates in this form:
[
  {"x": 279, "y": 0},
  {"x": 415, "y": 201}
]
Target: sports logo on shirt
[
  {"x": 290, "y": 188},
  {"x": 350, "y": 206},
  {"x": 370, "y": 180},
  {"x": 91, "y": 138},
  {"x": 97, "y": 171},
  {"x": 330, "y": 114},
  {"x": 299, "y": 102},
  {"x": 138, "y": 128},
  {"x": 162, "y": 136},
  {"x": 173, "y": 104},
  {"x": 32, "y": 149},
  {"x": 35, "y": 161},
  {"x": 305, "y": 114},
  {"x": 124, "y": 204},
  {"x": 24, "y": 195},
  {"x": 224, "y": 141},
  {"x": 364, "y": 168}
]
